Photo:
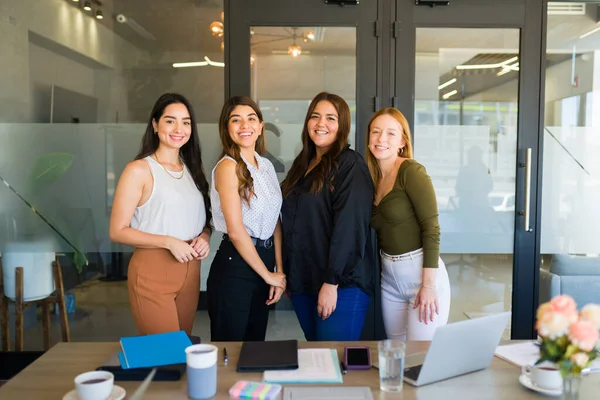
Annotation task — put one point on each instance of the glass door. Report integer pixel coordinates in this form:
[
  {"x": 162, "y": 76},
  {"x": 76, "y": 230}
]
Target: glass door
[
  {"x": 471, "y": 92},
  {"x": 282, "y": 54}
]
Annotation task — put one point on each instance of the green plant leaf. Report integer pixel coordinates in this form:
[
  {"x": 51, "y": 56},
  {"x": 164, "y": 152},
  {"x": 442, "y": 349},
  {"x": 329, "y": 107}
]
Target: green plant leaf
[
  {"x": 80, "y": 260},
  {"x": 50, "y": 168}
]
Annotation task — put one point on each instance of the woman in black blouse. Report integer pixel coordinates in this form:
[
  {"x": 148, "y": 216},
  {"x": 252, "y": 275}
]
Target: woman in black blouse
[{"x": 328, "y": 253}]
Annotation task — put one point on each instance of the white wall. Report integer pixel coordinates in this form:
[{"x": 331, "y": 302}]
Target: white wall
[
  {"x": 426, "y": 80},
  {"x": 59, "y": 23}
]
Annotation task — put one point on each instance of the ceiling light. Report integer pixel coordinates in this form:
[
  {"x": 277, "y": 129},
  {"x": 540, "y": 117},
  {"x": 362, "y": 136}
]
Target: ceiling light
[
  {"x": 190, "y": 64},
  {"x": 450, "y": 82},
  {"x": 87, "y": 6},
  {"x": 488, "y": 66},
  {"x": 590, "y": 33},
  {"x": 207, "y": 61},
  {"x": 294, "y": 50},
  {"x": 214, "y": 63},
  {"x": 449, "y": 94},
  {"x": 507, "y": 68},
  {"x": 252, "y": 59},
  {"x": 309, "y": 37},
  {"x": 75, "y": 1},
  {"x": 99, "y": 14},
  {"x": 217, "y": 28}
]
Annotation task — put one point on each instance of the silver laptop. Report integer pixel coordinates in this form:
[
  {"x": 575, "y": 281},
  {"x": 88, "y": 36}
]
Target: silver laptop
[{"x": 457, "y": 349}]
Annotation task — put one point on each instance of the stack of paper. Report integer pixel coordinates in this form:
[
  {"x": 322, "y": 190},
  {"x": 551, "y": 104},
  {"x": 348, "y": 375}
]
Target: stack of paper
[
  {"x": 154, "y": 350},
  {"x": 314, "y": 366}
]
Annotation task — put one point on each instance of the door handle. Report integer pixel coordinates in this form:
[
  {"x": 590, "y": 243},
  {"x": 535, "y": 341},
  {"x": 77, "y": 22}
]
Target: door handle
[{"x": 527, "y": 209}]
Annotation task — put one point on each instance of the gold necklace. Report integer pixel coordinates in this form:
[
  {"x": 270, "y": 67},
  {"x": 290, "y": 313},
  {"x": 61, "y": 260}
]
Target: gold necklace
[{"x": 167, "y": 171}]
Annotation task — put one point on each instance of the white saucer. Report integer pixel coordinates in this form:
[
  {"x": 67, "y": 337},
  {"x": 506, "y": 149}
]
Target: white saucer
[
  {"x": 525, "y": 381},
  {"x": 117, "y": 393}
]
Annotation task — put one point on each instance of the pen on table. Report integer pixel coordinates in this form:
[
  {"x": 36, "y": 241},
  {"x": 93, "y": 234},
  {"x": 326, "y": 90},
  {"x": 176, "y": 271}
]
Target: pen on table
[
  {"x": 344, "y": 370},
  {"x": 225, "y": 358}
]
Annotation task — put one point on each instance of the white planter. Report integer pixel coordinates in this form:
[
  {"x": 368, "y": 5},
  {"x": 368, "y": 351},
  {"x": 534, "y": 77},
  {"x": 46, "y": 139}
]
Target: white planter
[{"x": 36, "y": 259}]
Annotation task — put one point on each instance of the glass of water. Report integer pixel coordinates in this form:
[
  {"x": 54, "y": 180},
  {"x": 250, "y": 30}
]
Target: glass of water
[{"x": 391, "y": 365}]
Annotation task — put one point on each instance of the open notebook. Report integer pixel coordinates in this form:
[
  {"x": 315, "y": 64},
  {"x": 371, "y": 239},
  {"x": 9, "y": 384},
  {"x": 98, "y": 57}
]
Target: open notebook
[{"x": 314, "y": 366}]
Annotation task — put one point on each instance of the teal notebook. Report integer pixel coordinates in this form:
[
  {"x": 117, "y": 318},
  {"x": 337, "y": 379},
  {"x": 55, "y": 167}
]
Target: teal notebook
[{"x": 153, "y": 350}]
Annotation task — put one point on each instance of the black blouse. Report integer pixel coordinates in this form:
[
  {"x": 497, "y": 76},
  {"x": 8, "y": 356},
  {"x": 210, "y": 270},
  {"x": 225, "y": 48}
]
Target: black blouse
[{"x": 327, "y": 236}]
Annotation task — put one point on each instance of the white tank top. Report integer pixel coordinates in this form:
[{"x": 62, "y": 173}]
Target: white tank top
[
  {"x": 175, "y": 207},
  {"x": 260, "y": 217}
]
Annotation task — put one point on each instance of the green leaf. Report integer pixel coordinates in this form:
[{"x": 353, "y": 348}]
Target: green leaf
[
  {"x": 50, "y": 168},
  {"x": 80, "y": 260}
]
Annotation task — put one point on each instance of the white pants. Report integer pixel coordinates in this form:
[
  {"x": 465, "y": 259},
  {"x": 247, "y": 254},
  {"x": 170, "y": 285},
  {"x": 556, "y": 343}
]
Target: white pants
[{"x": 400, "y": 282}]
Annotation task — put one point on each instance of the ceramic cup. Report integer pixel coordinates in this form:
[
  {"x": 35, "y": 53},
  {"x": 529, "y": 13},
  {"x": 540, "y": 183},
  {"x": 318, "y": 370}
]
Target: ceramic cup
[
  {"x": 543, "y": 376},
  {"x": 94, "y": 385},
  {"x": 201, "y": 360}
]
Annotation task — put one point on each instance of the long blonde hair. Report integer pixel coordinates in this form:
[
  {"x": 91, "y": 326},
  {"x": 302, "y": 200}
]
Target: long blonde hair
[{"x": 407, "y": 151}]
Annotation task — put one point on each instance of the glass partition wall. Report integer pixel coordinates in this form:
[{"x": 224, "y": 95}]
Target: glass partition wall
[{"x": 570, "y": 240}]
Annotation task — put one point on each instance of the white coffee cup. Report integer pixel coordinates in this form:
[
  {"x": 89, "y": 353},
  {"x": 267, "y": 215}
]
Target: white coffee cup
[
  {"x": 94, "y": 385},
  {"x": 543, "y": 376}
]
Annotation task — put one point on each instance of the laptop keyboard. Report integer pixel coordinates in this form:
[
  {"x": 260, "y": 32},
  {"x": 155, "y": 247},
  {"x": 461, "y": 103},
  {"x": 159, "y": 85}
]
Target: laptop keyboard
[{"x": 413, "y": 372}]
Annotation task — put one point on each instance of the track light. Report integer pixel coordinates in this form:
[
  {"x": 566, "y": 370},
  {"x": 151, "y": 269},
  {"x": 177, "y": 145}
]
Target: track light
[
  {"x": 87, "y": 6},
  {"x": 99, "y": 14}
]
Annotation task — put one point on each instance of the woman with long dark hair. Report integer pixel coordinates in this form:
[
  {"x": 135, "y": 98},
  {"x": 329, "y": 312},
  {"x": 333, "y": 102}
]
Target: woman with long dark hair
[
  {"x": 246, "y": 200},
  {"x": 161, "y": 207},
  {"x": 328, "y": 252}
]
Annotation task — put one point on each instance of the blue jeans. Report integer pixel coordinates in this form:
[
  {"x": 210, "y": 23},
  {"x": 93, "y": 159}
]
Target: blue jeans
[{"x": 344, "y": 324}]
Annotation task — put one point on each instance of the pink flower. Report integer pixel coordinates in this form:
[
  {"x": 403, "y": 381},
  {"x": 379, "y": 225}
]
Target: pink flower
[
  {"x": 552, "y": 325},
  {"x": 565, "y": 305},
  {"x": 543, "y": 309},
  {"x": 591, "y": 313},
  {"x": 584, "y": 335},
  {"x": 580, "y": 359}
]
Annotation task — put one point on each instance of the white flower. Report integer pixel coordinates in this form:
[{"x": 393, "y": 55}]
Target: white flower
[{"x": 580, "y": 359}]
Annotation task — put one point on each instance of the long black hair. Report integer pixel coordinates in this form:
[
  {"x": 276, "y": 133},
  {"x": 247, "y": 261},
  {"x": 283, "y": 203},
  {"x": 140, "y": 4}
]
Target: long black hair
[{"x": 189, "y": 152}]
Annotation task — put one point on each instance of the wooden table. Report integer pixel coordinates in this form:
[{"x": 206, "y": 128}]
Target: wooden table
[{"x": 51, "y": 376}]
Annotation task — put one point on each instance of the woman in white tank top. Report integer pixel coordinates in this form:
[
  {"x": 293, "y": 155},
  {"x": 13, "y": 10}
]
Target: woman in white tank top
[
  {"x": 161, "y": 207},
  {"x": 246, "y": 200}
]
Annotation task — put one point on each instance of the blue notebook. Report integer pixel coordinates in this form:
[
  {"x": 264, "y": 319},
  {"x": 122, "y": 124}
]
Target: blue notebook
[{"x": 153, "y": 350}]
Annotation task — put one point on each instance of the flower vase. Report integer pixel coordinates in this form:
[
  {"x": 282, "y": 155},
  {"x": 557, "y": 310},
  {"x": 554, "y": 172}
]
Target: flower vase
[{"x": 571, "y": 384}]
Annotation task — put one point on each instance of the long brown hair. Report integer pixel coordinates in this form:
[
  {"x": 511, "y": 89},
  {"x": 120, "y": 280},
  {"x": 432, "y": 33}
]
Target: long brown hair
[
  {"x": 189, "y": 152},
  {"x": 231, "y": 149},
  {"x": 309, "y": 150},
  {"x": 407, "y": 152}
]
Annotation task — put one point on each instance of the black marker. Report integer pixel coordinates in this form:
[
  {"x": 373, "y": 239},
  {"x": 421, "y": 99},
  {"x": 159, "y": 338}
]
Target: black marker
[{"x": 344, "y": 370}]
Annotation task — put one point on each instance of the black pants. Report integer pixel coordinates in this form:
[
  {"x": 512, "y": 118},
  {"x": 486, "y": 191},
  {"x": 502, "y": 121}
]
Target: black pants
[{"x": 237, "y": 296}]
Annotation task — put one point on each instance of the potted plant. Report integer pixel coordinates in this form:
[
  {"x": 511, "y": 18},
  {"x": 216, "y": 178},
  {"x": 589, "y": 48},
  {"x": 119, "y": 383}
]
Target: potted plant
[{"x": 569, "y": 339}]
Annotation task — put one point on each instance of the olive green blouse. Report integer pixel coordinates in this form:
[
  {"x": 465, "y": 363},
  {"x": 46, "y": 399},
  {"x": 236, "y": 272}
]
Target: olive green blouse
[{"x": 406, "y": 219}]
